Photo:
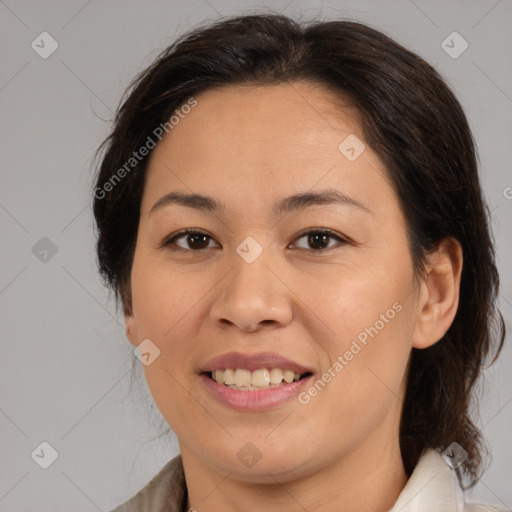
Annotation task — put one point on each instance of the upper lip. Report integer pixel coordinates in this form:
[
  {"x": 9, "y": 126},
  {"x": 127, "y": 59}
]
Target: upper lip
[{"x": 253, "y": 362}]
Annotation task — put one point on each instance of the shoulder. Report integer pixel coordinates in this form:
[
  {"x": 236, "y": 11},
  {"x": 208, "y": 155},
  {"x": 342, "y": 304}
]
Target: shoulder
[{"x": 165, "y": 492}]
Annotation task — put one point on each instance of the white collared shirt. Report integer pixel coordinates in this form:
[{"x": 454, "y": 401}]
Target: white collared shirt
[{"x": 433, "y": 486}]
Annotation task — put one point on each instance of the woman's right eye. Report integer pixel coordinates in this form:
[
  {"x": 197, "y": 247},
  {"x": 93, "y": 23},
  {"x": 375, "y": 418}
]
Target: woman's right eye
[{"x": 193, "y": 240}]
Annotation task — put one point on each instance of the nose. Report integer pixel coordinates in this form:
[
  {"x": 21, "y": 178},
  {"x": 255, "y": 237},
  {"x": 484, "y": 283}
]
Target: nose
[{"x": 252, "y": 297}]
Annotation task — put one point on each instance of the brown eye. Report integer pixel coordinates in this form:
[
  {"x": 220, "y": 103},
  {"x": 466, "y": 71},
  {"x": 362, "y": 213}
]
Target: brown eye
[
  {"x": 318, "y": 240},
  {"x": 190, "y": 240},
  {"x": 193, "y": 240}
]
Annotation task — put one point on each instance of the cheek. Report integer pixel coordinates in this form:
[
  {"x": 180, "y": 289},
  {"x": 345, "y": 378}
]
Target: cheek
[
  {"x": 165, "y": 307},
  {"x": 371, "y": 321},
  {"x": 164, "y": 299},
  {"x": 360, "y": 304},
  {"x": 363, "y": 379}
]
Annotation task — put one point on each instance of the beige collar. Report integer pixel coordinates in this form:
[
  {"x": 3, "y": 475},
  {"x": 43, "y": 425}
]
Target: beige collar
[{"x": 432, "y": 486}]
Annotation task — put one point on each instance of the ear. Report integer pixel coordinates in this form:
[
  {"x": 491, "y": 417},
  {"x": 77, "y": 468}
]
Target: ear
[
  {"x": 439, "y": 296},
  {"x": 129, "y": 318},
  {"x": 131, "y": 329}
]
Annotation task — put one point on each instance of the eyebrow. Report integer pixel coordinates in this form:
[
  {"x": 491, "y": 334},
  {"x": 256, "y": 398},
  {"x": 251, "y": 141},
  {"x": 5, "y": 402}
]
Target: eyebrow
[{"x": 282, "y": 207}]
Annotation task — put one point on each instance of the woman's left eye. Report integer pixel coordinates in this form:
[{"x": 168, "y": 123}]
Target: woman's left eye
[
  {"x": 320, "y": 237},
  {"x": 197, "y": 240}
]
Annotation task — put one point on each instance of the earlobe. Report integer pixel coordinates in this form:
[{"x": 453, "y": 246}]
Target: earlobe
[
  {"x": 129, "y": 318},
  {"x": 131, "y": 328},
  {"x": 439, "y": 297},
  {"x": 130, "y": 322}
]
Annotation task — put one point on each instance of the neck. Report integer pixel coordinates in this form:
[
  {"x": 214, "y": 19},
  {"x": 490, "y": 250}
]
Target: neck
[{"x": 366, "y": 478}]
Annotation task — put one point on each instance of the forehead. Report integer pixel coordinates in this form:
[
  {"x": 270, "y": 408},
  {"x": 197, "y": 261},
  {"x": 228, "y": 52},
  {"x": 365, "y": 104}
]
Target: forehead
[
  {"x": 271, "y": 116},
  {"x": 263, "y": 141}
]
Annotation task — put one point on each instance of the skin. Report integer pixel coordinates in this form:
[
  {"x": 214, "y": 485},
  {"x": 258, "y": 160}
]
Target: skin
[{"x": 249, "y": 146}]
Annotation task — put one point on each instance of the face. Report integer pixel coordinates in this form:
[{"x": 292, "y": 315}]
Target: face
[{"x": 321, "y": 289}]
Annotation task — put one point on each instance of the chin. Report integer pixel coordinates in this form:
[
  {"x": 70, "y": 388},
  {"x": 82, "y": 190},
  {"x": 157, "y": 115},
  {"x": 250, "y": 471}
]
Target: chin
[
  {"x": 268, "y": 473},
  {"x": 263, "y": 466}
]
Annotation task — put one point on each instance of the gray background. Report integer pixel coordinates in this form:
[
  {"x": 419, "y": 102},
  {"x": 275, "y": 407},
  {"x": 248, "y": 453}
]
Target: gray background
[{"x": 65, "y": 364}]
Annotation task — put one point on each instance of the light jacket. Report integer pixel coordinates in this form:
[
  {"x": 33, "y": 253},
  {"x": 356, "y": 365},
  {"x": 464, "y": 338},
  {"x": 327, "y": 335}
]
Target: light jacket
[{"x": 432, "y": 487}]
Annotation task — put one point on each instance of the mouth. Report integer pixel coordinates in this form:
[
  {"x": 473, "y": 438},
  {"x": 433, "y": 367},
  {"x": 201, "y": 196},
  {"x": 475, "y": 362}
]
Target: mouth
[
  {"x": 254, "y": 382},
  {"x": 261, "y": 379}
]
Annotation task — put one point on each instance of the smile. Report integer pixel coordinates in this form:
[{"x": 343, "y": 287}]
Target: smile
[
  {"x": 253, "y": 382},
  {"x": 263, "y": 378}
]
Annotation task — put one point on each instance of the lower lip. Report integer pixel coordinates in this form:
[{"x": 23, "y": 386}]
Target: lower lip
[{"x": 254, "y": 400}]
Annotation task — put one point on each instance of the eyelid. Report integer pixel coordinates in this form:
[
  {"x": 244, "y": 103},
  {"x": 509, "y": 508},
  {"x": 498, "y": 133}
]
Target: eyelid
[
  {"x": 168, "y": 240},
  {"x": 326, "y": 231},
  {"x": 342, "y": 240}
]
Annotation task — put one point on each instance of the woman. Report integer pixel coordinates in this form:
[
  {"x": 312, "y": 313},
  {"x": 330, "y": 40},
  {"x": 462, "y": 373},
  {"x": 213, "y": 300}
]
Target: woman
[{"x": 292, "y": 220}]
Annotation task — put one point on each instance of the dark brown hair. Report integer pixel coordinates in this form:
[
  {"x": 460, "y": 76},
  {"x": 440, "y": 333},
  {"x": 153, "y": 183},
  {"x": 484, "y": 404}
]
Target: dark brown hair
[{"x": 409, "y": 117}]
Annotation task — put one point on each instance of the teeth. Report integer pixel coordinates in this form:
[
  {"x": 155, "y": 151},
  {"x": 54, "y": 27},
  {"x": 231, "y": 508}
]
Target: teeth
[
  {"x": 288, "y": 376},
  {"x": 242, "y": 378},
  {"x": 219, "y": 376},
  {"x": 229, "y": 376},
  {"x": 262, "y": 378},
  {"x": 276, "y": 376}
]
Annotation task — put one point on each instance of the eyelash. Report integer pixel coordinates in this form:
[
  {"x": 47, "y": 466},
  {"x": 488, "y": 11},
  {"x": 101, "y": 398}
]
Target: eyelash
[{"x": 170, "y": 242}]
